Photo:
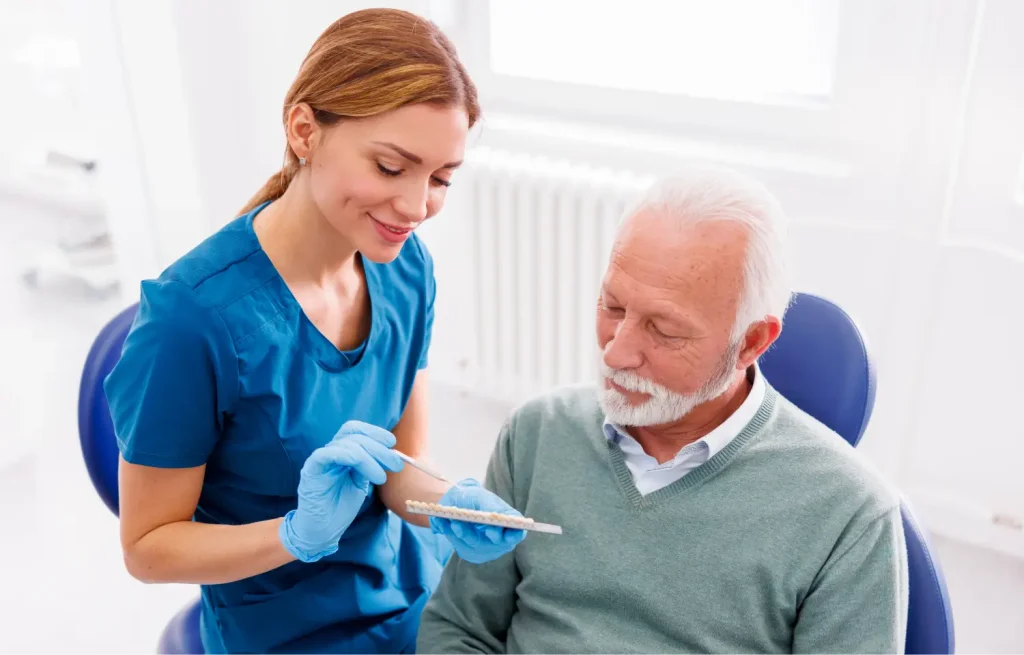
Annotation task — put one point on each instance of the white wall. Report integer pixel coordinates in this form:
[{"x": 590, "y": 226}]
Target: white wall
[
  {"x": 910, "y": 216},
  {"x": 238, "y": 63},
  {"x": 186, "y": 97}
]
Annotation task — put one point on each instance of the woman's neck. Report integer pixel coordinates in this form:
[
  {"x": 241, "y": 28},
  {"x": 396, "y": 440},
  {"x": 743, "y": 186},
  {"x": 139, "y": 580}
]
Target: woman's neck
[{"x": 300, "y": 242}]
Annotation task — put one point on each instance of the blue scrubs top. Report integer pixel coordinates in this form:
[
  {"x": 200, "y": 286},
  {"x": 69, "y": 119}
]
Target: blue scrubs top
[{"x": 223, "y": 368}]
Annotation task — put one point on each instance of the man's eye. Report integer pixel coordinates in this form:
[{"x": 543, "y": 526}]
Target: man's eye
[{"x": 662, "y": 333}]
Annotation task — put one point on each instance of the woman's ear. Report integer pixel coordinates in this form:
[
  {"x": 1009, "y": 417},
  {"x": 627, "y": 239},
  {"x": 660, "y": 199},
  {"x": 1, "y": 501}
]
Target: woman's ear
[{"x": 301, "y": 129}]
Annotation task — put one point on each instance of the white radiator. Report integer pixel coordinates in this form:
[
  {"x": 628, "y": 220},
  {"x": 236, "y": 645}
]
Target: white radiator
[{"x": 541, "y": 232}]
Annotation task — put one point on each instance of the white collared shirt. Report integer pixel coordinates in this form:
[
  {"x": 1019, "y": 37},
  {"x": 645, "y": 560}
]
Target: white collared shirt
[{"x": 649, "y": 475}]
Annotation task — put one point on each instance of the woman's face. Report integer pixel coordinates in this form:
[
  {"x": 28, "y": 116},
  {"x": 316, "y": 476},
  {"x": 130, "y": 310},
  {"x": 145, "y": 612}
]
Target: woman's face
[{"x": 377, "y": 179}]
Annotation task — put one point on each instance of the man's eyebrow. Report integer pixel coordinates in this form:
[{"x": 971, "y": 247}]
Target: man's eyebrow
[
  {"x": 676, "y": 321},
  {"x": 416, "y": 159},
  {"x": 674, "y": 318}
]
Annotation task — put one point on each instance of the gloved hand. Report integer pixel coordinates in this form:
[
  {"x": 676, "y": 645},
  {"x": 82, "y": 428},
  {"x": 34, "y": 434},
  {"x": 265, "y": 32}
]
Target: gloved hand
[
  {"x": 474, "y": 542},
  {"x": 333, "y": 485}
]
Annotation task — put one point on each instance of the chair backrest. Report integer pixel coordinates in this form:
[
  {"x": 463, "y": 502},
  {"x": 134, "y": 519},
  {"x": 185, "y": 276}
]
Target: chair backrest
[
  {"x": 930, "y": 616},
  {"x": 95, "y": 429},
  {"x": 821, "y": 364}
]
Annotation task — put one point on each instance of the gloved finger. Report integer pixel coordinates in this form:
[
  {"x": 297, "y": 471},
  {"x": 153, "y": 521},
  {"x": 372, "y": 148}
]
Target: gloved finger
[
  {"x": 466, "y": 532},
  {"x": 512, "y": 537},
  {"x": 378, "y": 434},
  {"x": 359, "y": 462},
  {"x": 359, "y": 481},
  {"x": 443, "y": 527},
  {"x": 446, "y": 528},
  {"x": 320, "y": 461},
  {"x": 491, "y": 502},
  {"x": 458, "y": 529},
  {"x": 493, "y": 534},
  {"x": 496, "y": 505},
  {"x": 386, "y": 457}
]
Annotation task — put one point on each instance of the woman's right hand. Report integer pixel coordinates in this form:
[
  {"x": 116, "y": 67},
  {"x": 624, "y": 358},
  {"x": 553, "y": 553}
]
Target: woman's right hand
[{"x": 333, "y": 485}]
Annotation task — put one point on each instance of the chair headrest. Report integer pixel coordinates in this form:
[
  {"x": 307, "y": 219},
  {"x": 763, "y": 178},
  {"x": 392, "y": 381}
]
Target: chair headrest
[
  {"x": 95, "y": 428},
  {"x": 821, "y": 364}
]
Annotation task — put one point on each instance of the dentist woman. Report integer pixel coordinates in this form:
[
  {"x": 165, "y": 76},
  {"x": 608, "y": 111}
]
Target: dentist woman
[{"x": 273, "y": 370}]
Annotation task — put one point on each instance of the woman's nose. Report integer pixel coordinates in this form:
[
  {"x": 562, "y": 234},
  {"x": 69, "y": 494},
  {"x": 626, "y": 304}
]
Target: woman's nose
[{"x": 412, "y": 203}]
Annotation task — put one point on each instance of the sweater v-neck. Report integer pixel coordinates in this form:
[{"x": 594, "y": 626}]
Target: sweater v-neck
[{"x": 700, "y": 474}]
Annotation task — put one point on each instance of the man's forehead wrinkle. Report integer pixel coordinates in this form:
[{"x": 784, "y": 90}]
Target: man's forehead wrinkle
[
  {"x": 642, "y": 271},
  {"x": 672, "y": 276}
]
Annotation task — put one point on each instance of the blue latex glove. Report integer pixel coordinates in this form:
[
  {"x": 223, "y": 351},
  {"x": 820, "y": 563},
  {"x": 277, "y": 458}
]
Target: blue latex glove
[
  {"x": 333, "y": 485},
  {"x": 474, "y": 542}
]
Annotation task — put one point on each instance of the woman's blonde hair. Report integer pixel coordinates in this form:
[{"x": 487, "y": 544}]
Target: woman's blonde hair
[{"x": 367, "y": 63}]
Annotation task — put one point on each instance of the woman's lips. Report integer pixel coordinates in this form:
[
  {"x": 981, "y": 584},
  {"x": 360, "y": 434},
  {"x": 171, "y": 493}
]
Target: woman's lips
[{"x": 390, "y": 233}]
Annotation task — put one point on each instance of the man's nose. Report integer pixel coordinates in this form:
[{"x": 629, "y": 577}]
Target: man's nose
[{"x": 624, "y": 350}]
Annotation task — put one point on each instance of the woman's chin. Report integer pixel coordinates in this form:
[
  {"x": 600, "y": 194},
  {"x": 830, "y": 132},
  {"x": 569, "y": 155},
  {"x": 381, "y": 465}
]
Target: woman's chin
[{"x": 381, "y": 253}]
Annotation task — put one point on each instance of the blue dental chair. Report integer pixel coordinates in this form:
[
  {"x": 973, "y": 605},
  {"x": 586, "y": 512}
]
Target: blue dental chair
[
  {"x": 821, "y": 364},
  {"x": 99, "y": 448}
]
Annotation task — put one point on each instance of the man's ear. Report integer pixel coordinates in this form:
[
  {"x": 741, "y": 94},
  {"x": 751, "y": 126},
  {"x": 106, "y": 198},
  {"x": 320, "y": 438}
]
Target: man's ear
[
  {"x": 301, "y": 129},
  {"x": 758, "y": 338}
]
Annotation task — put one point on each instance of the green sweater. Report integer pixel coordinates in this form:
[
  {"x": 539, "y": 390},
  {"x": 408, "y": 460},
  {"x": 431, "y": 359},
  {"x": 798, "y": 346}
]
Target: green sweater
[{"x": 784, "y": 541}]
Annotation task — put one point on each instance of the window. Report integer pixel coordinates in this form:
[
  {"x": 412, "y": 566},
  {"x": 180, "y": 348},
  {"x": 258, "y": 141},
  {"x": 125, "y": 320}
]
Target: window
[
  {"x": 808, "y": 73},
  {"x": 764, "y": 51}
]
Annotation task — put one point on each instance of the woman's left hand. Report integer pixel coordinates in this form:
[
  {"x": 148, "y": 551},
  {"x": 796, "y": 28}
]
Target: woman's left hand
[{"x": 474, "y": 542}]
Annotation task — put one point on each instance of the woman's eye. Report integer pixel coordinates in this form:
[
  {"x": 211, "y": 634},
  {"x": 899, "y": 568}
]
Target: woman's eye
[
  {"x": 439, "y": 182},
  {"x": 387, "y": 171}
]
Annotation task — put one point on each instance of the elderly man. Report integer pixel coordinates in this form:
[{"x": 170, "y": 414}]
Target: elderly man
[{"x": 702, "y": 512}]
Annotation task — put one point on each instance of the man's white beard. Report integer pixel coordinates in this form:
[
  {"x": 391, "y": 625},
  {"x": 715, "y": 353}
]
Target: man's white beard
[{"x": 663, "y": 405}]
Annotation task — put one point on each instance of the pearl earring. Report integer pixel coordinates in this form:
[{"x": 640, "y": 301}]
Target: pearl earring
[{"x": 302, "y": 161}]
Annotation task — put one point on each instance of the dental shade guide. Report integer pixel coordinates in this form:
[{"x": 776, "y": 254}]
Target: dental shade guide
[{"x": 476, "y": 516}]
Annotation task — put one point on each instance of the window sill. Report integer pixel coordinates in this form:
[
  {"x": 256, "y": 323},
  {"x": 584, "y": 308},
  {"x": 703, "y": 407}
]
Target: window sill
[{"x": 646, "y": 152}]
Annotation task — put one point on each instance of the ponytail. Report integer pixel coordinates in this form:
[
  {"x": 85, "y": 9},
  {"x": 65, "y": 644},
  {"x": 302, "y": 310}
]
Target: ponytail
[{"x": 272, "y": 190}]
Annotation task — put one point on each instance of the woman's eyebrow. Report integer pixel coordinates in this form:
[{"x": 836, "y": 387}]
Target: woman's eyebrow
[{"x": 416, "y": 159}]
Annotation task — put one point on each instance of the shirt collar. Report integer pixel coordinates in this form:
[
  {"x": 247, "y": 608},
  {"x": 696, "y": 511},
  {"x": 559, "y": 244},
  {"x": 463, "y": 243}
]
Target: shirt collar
[{"x": 730, "y": 428}]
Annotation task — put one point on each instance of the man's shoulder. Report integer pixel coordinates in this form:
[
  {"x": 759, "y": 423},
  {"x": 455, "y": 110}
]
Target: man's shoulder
[
  {"x": 562, "y": 403},
  {"x": 568, "y": 409},
  {"x": 824, "y": 460}
]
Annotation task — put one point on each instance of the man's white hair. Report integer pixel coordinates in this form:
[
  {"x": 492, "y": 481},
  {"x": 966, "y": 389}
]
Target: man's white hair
[{"x": 711, "y": 193}]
